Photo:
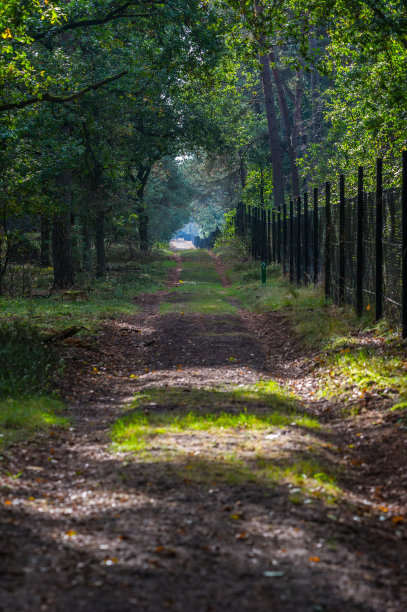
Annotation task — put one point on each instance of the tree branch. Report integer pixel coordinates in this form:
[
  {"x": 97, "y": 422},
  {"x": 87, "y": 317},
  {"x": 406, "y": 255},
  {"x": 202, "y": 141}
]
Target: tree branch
[
  {"x": 48, "y": 97},
  {"x": 117, "y": 13}
]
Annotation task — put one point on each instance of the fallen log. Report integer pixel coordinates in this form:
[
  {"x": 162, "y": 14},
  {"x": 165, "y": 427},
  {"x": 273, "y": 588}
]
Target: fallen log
[{"x": 64, "y": 334}]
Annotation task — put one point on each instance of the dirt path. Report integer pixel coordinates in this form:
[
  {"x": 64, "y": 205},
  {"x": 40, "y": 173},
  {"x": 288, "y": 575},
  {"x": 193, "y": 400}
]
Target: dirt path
[{"x": 194, "y": 524}]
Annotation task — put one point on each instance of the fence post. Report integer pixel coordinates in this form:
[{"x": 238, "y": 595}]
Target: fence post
[
  {"x": 379, "y": 239},
  {"x": 273, "y": 229},
  {"x": 315, "y": 245},
  {"x": 258, "y": 233},
  {"x": 284, "y": 237},
  {"x": 404, "y": 248},
  {"x": 253, "y": 230},
  {"x": 263, "y": 236},
  {"x": 291, "y": 241},
  {"x": 341, "y": 239},
  {"x": 327, "y": 240},
  {"x": 360, "y": 251},
  {"x": 306, "y": 239},
  {"x": 298, "y": 240},
  {"x": 278, "y": 236},
  {"x": 268, "y": 236}
]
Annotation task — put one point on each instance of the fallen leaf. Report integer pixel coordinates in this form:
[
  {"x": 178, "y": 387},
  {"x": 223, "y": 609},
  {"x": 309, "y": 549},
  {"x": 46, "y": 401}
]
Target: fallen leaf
[
  {"x": 397, "y": 519},
  {"x": 314, "y": 559},
  {"x": 71, "y": 533}
]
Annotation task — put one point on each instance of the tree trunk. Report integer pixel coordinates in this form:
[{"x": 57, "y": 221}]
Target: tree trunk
[
  {"x": 86, "y": 245},
  {"x": 291, "y": 151},
  {"x": 297, "y": 125},
  {"x": 315, "y": 100},
  {"x": 64, "y": 276},
  {"x": 1, "y": 265},
  {"x": 45, "y": 242},
  {"x": 242, "y": 169},
  {"x": 76, "y": 258},
  {"x": 100, "y": 245},
  {"x": 142, "y": 176},
  {"x": 143, "y": 229},
  {"x": 271, "y": 114}
]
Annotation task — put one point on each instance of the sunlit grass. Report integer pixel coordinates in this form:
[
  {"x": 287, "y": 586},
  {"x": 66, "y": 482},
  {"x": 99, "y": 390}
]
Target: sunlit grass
[
  {"x": 201, "y": 302},
  {"x": 238, "y": 445},
  {"x": 379, "y": 368},
  {"x": 22, "y": 418},
  {"x": 200, "y": 289}
]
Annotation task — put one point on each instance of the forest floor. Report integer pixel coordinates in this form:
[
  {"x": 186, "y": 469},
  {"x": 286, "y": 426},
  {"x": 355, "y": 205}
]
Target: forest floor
[{"x": 201, "y": 472}]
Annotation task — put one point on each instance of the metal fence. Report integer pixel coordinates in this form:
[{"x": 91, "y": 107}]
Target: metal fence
[{"x": 355, "y": 243}]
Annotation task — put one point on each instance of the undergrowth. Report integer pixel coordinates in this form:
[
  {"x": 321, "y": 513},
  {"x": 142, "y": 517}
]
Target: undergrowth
[
  {"x": 28, "y": 368},
  {"x": 29, "y": 365}
]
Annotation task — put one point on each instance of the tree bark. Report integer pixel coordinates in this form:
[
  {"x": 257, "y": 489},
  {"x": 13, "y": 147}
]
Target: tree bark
[
  {"x": 100, "y": 244},
  {"x": 45, "y": 242},
  {"x": 64, "y": 276},
  {"x": 297, "y": 125},
  {"x": 287, "y": 120},
  {"x": 143, "y": 229},
  {"x": 315, "y": 100},
  {"x": 271, "y": 114},
  {"x": 142, "y": 176},
  {"x": 86, "y": 245},
  {"x": 242, "y": 169}
]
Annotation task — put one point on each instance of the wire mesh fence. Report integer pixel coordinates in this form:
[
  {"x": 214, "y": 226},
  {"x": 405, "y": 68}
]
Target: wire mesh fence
[{"x": 353, "y": 241}]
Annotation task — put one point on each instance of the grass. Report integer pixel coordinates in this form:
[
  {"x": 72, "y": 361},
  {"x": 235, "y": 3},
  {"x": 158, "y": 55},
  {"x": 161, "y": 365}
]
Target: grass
[
  {"x": 22, "y": 418},
  {"x": 354, "y": 356},
  {"x": 27, "y": 372},
  {"x": 313, "y": 319},
  {"x": 29, "y": 366},
  {"x": 109, "y": 297},
  {"x": 352, "y": 370},
  {"x": 207, "y": 435},
  {"x": 200, "y": 289}
]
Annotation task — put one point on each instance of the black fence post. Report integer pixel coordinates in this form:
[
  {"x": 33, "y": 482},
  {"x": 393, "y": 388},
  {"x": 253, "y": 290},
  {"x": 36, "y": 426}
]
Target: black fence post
[
  {"x": 306, "y": 239},
  {"x": 273, "y": 232},
  {"x": 341, "y": 239},
  {"x": 404, "y": 248},
  {"x": 268, "y": 236},
  {"x": 279, "y": 236},
  {"x": 360, "y": 250},
  {"x": 298, "y": 240},
  {"x": 253, "y": 230},
  {"x": 263, "y": 236},
  {"x": 284, "y": 237},
  {"x": 258, "y": 237},
  {"x": 291, "y": 241},
  {"x": 316, "y": 231},
  {"x": 327, "y": 240},
  {"x": 379, "y": 239}
]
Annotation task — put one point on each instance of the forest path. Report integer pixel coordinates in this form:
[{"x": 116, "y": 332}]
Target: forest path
[{"x": 223, "y": 492}]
